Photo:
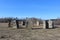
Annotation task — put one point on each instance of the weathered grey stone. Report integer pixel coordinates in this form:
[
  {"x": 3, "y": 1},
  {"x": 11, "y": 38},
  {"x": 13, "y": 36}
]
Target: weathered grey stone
[
  {"x": 37, "y": 23},
  {"x": 48, "y": 24},
  {"x": 44, "y": 24},
  {"x": 29, "y": 24},
  {"x": 14, "y": 25},
  {"x": 51, "y": 25}
]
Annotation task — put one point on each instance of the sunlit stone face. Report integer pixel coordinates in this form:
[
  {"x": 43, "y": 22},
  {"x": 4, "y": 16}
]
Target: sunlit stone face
[
  {"x": 14, "y": 24},
  {"x": 44, "y": 24},
  {"x": 50, "y": 24}
]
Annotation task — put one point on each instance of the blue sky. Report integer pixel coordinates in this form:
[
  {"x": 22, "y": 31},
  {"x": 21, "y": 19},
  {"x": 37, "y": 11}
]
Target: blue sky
[{"x": 44, "y": 9}]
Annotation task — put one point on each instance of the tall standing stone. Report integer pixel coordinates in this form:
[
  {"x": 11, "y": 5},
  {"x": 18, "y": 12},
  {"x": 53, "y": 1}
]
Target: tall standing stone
[
  {"x": 44, "y": 24},
  {"x": 37, "y": 23},
  {"x": 29, "y": 24},
  {"x": 51, "y": 25},
  {"x": 14, "y": 25}
]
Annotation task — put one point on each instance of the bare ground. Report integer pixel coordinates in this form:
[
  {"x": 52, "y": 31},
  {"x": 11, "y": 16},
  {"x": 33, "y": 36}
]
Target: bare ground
[{"x": 29, "y": 34}]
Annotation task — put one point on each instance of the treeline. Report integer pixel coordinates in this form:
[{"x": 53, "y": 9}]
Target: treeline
[
  {"x": 57, "y": 21},
  {"x": 6, "y": 20}
]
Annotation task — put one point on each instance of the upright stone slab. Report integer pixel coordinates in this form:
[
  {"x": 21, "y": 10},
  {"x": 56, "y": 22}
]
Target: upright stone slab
[
  {"x": 44, "y": 24},
  {"x": 21, "y": 23},
  {"x": 30, "y": 24},
  {"x": 14, "y": 25},
  {"x": 37, "y": 23},
  {"x": 51, "y": 25}
]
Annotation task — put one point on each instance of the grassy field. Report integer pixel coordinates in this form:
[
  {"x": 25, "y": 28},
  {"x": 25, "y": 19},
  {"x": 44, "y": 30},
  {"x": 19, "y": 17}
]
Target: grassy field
[{"x": 29, "y": 34}]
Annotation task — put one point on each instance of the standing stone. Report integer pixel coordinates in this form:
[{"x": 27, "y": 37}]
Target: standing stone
[
  {"x": 30, "y": 24},
  {"x": 14, "y": 24},
  {"x": 51, "y": 25},
  {"x": 44, "y": 24},
  {"x": 37, "y": 23},
  {"x": 21, "y": 23}
]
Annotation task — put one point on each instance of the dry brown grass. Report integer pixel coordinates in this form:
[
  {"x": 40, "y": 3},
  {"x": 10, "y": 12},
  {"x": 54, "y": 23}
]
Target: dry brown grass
[
  {"x": 3, "y": 25},
  {"x": 25, "y": 34}
]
